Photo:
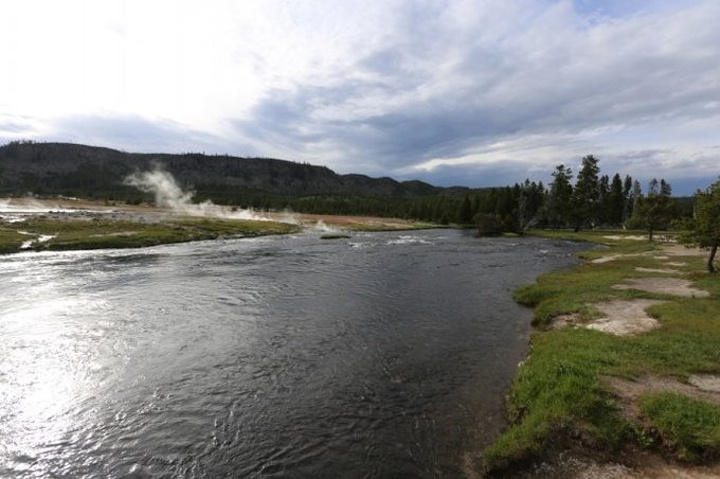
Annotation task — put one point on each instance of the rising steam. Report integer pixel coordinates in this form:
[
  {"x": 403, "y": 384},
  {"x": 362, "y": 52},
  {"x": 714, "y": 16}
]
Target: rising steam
[
  {"x": 162, "y": 184},
  {"x": 168, "y": 194}
]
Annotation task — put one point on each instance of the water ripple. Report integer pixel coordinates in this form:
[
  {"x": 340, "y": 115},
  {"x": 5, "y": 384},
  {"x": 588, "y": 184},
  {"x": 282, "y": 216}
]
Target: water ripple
[{"x": 275, "y": 357}]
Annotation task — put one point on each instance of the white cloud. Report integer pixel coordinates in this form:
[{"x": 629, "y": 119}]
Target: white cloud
[{"x": 382, "y": 87}]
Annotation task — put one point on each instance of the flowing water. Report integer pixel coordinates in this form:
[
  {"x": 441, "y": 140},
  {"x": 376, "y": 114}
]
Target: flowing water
[{"x": 383, "y": 355}]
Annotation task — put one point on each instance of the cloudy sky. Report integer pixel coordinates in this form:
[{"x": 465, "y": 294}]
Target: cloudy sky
[{"x": 466, "y": 92}]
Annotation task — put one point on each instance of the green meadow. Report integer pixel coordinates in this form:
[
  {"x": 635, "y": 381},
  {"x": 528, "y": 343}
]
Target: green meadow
[
  {"x": 562, "y": 394},
  {"x": 96, "y": 233}
]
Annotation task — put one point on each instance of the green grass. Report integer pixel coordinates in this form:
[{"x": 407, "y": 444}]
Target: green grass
[
  {"x": 11, "y": 240},
  {"x": 561, "y": 387},
  {"x": 76, "y": 234},
  {"x": 691, "y": 428},
  {"x": 575, "y": 290},
  {"x": 557, "y": 392}
]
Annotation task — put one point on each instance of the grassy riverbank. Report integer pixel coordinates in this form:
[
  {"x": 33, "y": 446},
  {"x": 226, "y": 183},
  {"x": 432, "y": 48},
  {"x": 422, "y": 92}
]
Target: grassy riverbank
[
  {"x": 47, "y": 233},
  {"x": 93, "y": 226},
  {"x": 71, "y": 223},
  {"x": 592, "y": 389}
]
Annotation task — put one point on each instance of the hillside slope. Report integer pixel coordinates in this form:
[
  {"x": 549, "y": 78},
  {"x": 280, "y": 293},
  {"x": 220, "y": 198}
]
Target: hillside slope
[{"x": 73, "y": 169}]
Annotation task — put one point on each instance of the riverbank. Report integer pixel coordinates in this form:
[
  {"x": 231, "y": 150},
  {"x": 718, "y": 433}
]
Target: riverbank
[
  {"x": 623, "y": 373},
  {"x": 30, "y": 224}
]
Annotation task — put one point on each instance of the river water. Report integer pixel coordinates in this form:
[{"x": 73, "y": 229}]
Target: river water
[{"x": 383, "y": 355}]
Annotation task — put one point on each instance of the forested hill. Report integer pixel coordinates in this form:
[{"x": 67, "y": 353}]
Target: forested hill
[
  {"x": 88, "y": 171},
  {"x": 50, "y": 169}
]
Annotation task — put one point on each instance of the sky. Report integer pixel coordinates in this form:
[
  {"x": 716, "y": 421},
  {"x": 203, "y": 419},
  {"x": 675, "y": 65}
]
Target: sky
[{"x": 453, "y": 92}]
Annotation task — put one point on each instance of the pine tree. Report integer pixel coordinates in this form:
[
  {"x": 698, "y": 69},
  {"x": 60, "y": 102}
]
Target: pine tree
[
  {"x": 465, "y": 213},
  {"x": 530, "y": 198},
  {"x": 655, "y": 210},
  {"x": 559, "y": 197},
  {"x": 615, "y": 202},
  {"x": 635, "y": 199},
  {"x": 627, "y": 194},
  {"x": 585, "y": 194},
  {"x": 603, "y": 196}
]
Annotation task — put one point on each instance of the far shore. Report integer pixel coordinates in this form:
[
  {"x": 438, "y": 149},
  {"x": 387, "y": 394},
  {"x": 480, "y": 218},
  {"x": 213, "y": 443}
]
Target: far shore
[{"x": 37, "y": 224}]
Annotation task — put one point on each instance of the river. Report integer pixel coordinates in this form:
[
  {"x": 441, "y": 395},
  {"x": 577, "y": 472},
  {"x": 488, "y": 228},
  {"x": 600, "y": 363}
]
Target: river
[{"x": 382, "y": 355}]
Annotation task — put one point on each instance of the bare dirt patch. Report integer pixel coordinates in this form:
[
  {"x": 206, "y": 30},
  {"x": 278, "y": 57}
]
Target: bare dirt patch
[
  {"x": 660, "y": 469},
  {"x": 613, "y": 257},
  {"x": 649, "y": 467},
  {"x": 607, "y": 259},
  {"x": 655, "y": 270},
  {"x": 565, "y": 321},
  {"x": 645, "y": 465},
  {"x": 672, "y": 286},
  {"x": 629, "y": 391},
  {"x": 625, "y": 318},
  {"x": 665, "y": 253},
  {"x": 706, "y": 382},
  {"x": 680, "y": 250},
  {"x": 626, "y": 237},
  {"x": 631, "y": 464}
]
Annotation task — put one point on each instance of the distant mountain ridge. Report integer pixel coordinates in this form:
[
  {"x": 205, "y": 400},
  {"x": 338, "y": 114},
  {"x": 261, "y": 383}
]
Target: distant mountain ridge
[{"x": 74, "y": 169}]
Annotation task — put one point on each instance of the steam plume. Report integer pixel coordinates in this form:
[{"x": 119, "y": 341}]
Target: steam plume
[
  {"x": 162, "y": 184},
  {"x": 168, "y": 194}
]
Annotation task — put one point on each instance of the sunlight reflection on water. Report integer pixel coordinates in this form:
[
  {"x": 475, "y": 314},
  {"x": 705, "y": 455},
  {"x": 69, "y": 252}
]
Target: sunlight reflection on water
[{"x": 269, "y": 356}]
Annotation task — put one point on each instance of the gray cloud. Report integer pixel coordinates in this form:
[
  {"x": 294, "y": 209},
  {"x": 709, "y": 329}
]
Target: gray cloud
[
  {"x": 444, "y": 87},
  {"x": 482, "y": 175},
  {"x": 11, "y": 128},
  {"x": 139, "y": 134},
  {"x": 467, "y": 92}
]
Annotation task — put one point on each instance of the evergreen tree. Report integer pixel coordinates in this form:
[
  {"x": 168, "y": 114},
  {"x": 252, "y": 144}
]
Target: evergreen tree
[
  {"x": 475, "y": 205},
  {"x": 465, "y": 213},
  {"x": 530, "y": 198},
  {"x": 559, "y": 197},
  {"x": 635, "y": 199},
  {"x": 615, "y": 202},
  {"x": 603, "y": 198},
  {"x": 656, "y": 208},
  {"x": 586, "y": 193},
  {"x": 627, "y": 194}
]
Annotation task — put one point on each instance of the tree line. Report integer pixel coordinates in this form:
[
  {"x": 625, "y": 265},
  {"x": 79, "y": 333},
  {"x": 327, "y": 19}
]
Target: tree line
[
  {"x": 585, "y": 200},
  {"x": 592, "y": 200},
  {"x": 577, "y": 200}
]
